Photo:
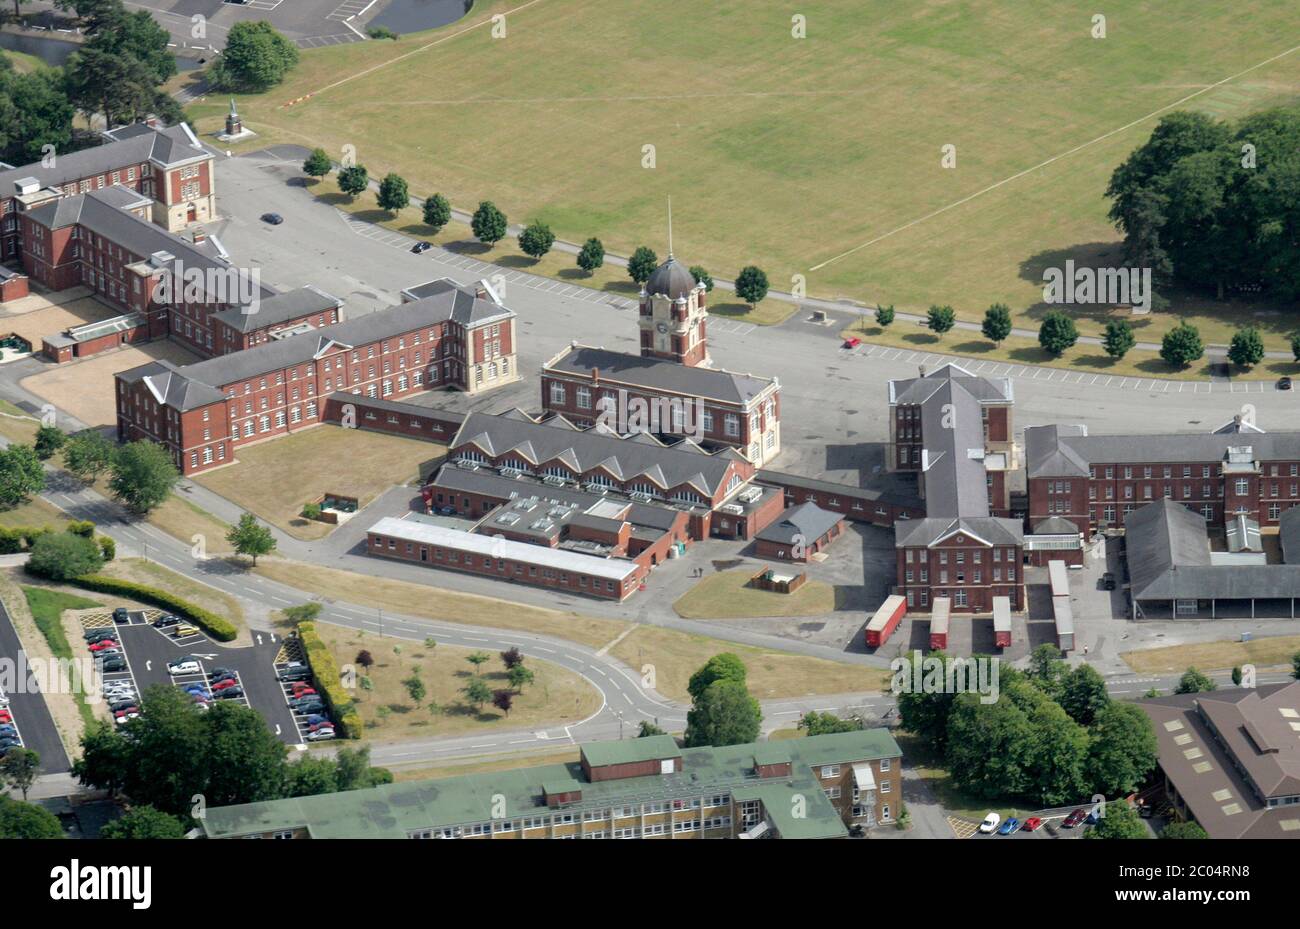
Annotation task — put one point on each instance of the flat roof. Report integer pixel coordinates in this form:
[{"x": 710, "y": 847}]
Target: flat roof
[
  {"x": 1001, "y": 614},
  {"x": 423, "y": 533},
  {"x": 630, "y": 751}
]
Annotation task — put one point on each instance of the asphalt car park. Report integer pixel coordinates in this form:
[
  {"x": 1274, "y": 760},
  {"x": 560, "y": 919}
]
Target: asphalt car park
[
  {"x": 1052, "y": 825},
  {"x": 26, "y": 709},
  {"x": 313, "y": 724},
  {"x": 149, "y": 651}
]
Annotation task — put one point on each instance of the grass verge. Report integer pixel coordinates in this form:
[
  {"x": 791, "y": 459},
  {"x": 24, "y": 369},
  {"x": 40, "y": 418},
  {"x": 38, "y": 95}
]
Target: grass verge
[{"x": 727, "y": 596}]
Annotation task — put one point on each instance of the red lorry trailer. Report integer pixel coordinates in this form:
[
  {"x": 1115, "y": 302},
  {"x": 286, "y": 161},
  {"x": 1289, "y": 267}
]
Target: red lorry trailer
[{"x": 886, "y": 620}]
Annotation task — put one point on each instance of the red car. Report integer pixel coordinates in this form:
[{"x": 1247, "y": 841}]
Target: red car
[
  {"x": 324, "y": 725},
  {"x": 852, "y": 342},
  {"x": 1032, "y": 823},
  {"x": 222, "y": 685},
  {"x": 103, "y": 644},
  {"x": 1075, "y": 818},
  {"x": 123, "y": 712},
  {"x": 303, "y": 691}
]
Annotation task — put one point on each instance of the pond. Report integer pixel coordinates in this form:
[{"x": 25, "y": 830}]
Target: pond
[
  {"x": 54, "y": 51},
  {"x": 403, "y": 16}
]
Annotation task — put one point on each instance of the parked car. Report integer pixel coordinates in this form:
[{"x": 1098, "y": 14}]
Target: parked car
[
  {"x": 1146, "y": 810},
  {"x": 420, "y": 248},
  {"x": 110, "y": 663},
  {"x": 1032, "y": 824},
  {"x": 1284, "y": 383},
  {"x": 1108, "y": 580},
  {"x": 304, "y": 692},
  {"x": 1094, "y": 816},
  {"x": 122, "y": 720},
  {"x": 273, "y": 218},
  {"x": 184, "y": 666},
  {"x": 320, "y": 735},
  {"x": 225, "y": 685},
  {"x": 165, "y": 620},
  {"x": 852, "y": 342},
  {"x": 308, "y": 708},
  {"x": 6, "y": 716},
  {"x": 183, "y": 630},
  {"x": 94, "y": 635},
  {"x": 1010, "y": 826},
  {"x": 102, "y": 644},
  {"x": 218, "y": 673},
  {"x": 121, "y": 615},
  {"x": 324, "y": 724},
  {"x": 990, "y": 823},
  {"x": 228, "y": 693},
  {"x": 122, "y": 704},
  {"x": 6, "y": 744},
  {"x": 126, "y": 710},
  {"x": 4, "y": 698},
  {"x": 1075, "y": 818},
  {"x": 294, "y": 670},
  {"x": 311, "y": 720}
]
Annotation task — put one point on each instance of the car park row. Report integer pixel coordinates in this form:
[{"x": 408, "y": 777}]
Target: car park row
[{"x": 305, "y": 703}]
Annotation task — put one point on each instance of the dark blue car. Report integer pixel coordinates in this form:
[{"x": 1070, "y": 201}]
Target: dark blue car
[{"x": 1010, "y": 826}]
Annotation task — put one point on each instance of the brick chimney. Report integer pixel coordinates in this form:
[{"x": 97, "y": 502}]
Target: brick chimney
[{"x": 595, "y": 375}]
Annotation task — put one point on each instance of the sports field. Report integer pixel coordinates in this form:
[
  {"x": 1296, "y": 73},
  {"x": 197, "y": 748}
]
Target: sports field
[{"x": 819, "y": 156}]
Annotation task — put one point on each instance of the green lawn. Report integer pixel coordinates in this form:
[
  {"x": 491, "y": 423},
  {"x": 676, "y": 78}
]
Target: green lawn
[
  {"x": 787, "y": 152},
  {"x": 726, "y": 596},
  {"x": 47, "y": 608}
]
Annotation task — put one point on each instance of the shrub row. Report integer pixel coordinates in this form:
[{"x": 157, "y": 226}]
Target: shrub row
[
  {"x": 21, "y": 538},
  {"x": 330, "y": 682},
  {"x": 219, "y": 628}
]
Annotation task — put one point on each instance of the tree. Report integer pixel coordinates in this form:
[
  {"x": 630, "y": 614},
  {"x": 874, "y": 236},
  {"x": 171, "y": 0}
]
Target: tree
[
  {"x": 884, "y": 316},
  {"x": 302, "y": 612},
  {"x": 354, "y": 772},
  {"x": 393, "y": 193},
  {"x": 1236, "y": 676},
  {"x": 415, "y": 689},
  {"x": 940, "y": 319},
  {"x": 997, "y": 323},
  {"x": 256, "y": 58},
  {"x": 1046, "y": 668},
  {"x": 478, "y": 659},
  {"x": 99, "y": 81},
  {"x": 437, "y": 212},
  {"x": 88, "y": 454},
  {"x": 1187, "y": 830},
  {"x": 724, "y": 714},
  {"x": 519, "y": 677},
  {"x": 814, "y": 723},
  {"x": 536, "y": 240},
  {"x": 1247, "y": 347},
  {"x": 592, "y": 255},
  {"x": 49, "y": 439},
  {"x": 1181, "y": 345},
  {"x": 989, "y": 746},
  {"x": 136, "y": 36},
  {"x": 1295, "y": 346},
  {"x": 1056, "y": 759},
  {"x": 20, "y": 820},
  {"x": 21, "y": 475},
  {"x": 476, "y": 692},
  {"x": 642, "y": 264},
  {"x": 249, "y": 537},
  {"x": 648, "y": 729},
  {"x": 722, "y": 666},
  {"x": 365, "y": 659},
  {"x": 61, "y": 556},
  {"x": 311, "y": 775},
  {"x": 1057, "y": 333},
  {"x": 318, "y": 163},
  {"x": 489, "y": 223},
  {"x": 1123, "y": 749},
  {"x": 1083, "y": 694},
  {"x": 353, "y": 179},
  {"x": 1295, "y": 665},
  {"x": 143, "y": 476},
  {"x": 702, "y": 277},
  {"x": 511, "y": 657},
  {"x": 751, "y": 285},
  {"x": 105, "y": 759},
  {"x": 1194, "y": 682},
  {"x": 143, "y": 822},
  {"x": 1118, "y": 339},
  {"x": 34, "y": 112},
  {"x": 19, "y": 768},
  {"x": 922, "y": 712},
  {"x": 1120, "y": 821},
  {"x": 503, "y": 700}
]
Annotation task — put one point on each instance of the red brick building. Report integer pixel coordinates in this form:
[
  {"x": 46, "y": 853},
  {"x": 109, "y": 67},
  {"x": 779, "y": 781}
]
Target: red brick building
[
  {"x": 1096, "y": 481},
  {"x": 673, "y": 316},
  {"x": 800, "y": 533},
  {"x": 203, "y": 412},
  {"x": 631, "y": 393}
]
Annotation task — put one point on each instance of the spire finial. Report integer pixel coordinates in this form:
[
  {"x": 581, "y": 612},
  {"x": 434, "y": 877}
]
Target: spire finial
[{"x": 670, "y": 227}]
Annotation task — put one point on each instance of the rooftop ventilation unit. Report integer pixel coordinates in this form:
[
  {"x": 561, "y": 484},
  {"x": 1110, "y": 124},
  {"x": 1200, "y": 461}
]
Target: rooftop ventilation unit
[
  {"x": 750, "y": 494},
  {"x": 467, "y": 464},
  {"x": 640, "y": 497},
  {"x": 597, "y": 489},
  {"x": 508, "y": 519},
  {"x": 732, "y": 508},
  {"x": 554, "y": 480}
]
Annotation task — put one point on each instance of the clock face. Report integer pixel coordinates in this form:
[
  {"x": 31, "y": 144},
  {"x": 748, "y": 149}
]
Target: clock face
[{"x": 663, "y": 327}]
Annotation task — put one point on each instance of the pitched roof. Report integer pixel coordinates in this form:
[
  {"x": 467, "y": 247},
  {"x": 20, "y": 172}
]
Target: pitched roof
[
  {"x": 658, "y": 374},
  {"x": 919, "y": 389},
  {"x": 278, "y": 308},
  {"x": 1289, "y": 535},
  {"x": 1047, "y": 452},
  {"x": 953, "y": 474},
  {"x": 994, "y": 530},
  {"x": 807, "y": 521},
  {"x": 129, "y": 145},
  {"x": 463, "y": 304},
  {"x": 624, "y": 459},
  {"x": 1066, "y": 451}
]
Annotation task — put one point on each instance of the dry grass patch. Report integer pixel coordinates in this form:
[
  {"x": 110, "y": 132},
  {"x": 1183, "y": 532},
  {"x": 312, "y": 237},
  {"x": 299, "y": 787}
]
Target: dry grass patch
[
  {"x": 271, "y": 480},
  {"x": 675, "y": 656},
  {"x": 155, "y": 575},
  {"x": 16, "y": 425},
  {"x": 434, "y": 603},
  {"x": 1266, "y": 652},
  {"x": 556, "y": 696},
  {"x": 36, "y": 513},
  {"x": 727, "y": 596},
  {"x": 184, "y": 520}
]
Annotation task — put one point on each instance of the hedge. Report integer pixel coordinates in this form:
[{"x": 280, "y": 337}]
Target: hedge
[
  {"x": 19, "y": 538},
  {"x": 223, "y": 630},
  {"x": 326, "y": 672}
]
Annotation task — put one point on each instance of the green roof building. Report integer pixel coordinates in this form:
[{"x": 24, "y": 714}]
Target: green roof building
[{"x": 810, "y": 788}]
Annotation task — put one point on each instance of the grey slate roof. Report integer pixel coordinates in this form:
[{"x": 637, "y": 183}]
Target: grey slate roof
[
  {"x": 952, "y": 430},
  {"x": 129, "y": 145},
  {"x": 581, "y": 451},
  {"x": 895, "y": 487},
  {"x": 920, "y": 389},
  {"x": 671, "y": 279},
  {"x": 659, "y": 375},
  {"x": 280, "y": 308},
  {"x": 463, "y": 304},
  {"x": 807, "y": 521},
  {"x": 1168, "y": 555},
  {"x": 1289, "y": 535},
  {"x": 992, "y": 529},
  {"x": 172, "y": 388},
  {"x": 1056, "y": 525},
  {"x": 1066, "y": 451}
]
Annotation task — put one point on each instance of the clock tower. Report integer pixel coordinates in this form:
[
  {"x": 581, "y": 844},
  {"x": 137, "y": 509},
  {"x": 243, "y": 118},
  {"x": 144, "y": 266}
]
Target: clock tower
[{"x": 673, "y": 316}]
